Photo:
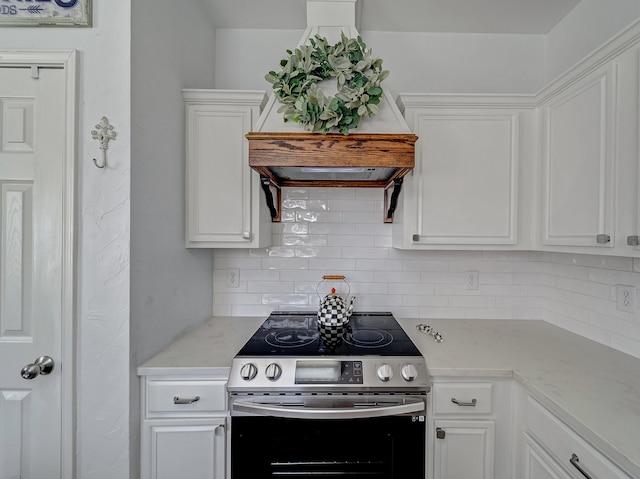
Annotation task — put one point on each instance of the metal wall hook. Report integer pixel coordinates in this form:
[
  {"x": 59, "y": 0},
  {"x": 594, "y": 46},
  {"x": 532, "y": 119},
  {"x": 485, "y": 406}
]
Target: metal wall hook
[{"x": 103, "y": 134}]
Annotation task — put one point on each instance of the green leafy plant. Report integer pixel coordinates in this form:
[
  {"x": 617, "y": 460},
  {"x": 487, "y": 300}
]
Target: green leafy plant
[{"x": 358, "y": 76}]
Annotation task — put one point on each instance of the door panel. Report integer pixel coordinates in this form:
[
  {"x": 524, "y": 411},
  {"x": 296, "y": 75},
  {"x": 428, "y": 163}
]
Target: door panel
[{"x": 32, "y": 158}]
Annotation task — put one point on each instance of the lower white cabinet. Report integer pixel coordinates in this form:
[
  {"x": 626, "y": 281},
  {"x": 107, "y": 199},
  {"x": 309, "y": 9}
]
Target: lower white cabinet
[
  {"x": 193, "y": 449},
  {"x": 470, "y": 429},
  {"x": 464, "y": 449},
  {"x": 540, "y": 465},
  {"x": 553, "y": 450},
  {"x": 184, "y": 427}
]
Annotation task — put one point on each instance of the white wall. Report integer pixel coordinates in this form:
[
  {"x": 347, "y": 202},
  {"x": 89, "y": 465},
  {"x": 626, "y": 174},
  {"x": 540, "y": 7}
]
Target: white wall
[
  {"x": 340, "y": 231},
  {"x": 585, "y": 28},
  {"x": 170, "y": 285},
  {"x": 419, "y": 63},
  {"x": 102, "y": 233}
]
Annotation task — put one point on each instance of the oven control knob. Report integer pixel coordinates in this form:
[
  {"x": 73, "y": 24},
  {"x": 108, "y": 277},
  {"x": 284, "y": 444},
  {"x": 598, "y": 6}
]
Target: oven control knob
[
  {"x": 409, "y": 372},
  {"x": 248, "y": 371},
  {"x": 273, "y": 372},
  {"x": 385, "y": 373}
]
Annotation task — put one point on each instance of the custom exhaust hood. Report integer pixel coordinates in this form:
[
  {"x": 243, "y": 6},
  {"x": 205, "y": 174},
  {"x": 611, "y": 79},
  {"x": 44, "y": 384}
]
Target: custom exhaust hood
[{"x": 376, "y": 154}]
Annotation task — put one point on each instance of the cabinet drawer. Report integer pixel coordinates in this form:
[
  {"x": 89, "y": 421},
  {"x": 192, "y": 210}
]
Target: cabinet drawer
[
  {"x": 178, "y": 397},
  {"x": 564, "y": 443},
  {"x": 467, "y": 398}
]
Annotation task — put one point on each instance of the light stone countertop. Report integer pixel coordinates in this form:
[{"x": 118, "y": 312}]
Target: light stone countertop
[{"x": 593, "y": 388}]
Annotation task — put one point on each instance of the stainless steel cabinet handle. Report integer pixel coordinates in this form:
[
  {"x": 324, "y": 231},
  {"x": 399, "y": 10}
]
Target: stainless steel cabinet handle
[
  {"x": 464, "y": 404},
  {"x": 40, "y": 367},
  {"x": 603, "y": 239},
  {"x": 633, "y": 240},
  {"x": 574, "y": 461},
  {"x": 179, "y": 400}
]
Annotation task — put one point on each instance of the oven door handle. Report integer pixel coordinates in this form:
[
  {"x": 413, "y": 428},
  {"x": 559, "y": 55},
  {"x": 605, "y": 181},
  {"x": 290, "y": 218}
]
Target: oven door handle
[{"x": 303, "y": 412}]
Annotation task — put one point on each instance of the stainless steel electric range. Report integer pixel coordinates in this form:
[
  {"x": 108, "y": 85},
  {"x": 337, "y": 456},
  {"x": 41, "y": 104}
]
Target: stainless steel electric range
[{"x": 303, "y": 408}]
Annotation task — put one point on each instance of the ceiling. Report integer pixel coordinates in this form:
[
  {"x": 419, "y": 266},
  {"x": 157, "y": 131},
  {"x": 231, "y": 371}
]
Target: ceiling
[{"x": 455, "y": 16}]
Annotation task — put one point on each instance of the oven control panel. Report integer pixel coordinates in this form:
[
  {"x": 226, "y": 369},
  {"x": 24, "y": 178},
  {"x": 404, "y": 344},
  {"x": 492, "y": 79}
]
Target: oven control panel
[
  {"x": 311, "y": 371},
  {"x": 344, "y": 374}
]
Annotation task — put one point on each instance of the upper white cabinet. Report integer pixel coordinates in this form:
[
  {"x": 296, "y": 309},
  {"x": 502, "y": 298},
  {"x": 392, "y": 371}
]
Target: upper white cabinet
[
  {"x": 465, "y": 189},
  {"x": 589, "y": 122},
  {"x": 578, "y": 148},
  {"x": 224, "y": 204}
]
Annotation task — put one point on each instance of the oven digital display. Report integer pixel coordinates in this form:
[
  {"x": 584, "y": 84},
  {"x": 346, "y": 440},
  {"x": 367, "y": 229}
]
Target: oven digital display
[{"x": 328, "y": 372}]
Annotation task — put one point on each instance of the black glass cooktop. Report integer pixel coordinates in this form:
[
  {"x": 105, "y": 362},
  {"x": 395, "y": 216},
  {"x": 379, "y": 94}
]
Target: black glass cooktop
[{"x": 294, "y": 333}]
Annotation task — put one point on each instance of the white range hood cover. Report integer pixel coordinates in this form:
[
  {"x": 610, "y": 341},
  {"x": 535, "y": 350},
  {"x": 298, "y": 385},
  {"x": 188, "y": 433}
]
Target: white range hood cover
[{"x": 329, "y": 19}]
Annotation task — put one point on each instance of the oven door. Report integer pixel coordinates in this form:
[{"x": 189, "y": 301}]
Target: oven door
[{"x": 307, "y": 436}]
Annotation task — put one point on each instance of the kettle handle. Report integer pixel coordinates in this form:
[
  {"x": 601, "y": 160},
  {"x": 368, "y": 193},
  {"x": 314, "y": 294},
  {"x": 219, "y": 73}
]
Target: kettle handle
[
  {"x": 329, "y": 277},
  {"x": 334, "y": 276}
]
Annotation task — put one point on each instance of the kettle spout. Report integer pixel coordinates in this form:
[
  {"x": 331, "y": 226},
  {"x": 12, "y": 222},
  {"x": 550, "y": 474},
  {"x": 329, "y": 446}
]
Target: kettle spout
[{"x": 350, "y": 308}]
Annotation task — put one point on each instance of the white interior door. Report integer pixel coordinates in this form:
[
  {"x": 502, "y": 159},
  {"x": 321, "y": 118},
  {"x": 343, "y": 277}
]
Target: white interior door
[{"x": 32, "y": 269}]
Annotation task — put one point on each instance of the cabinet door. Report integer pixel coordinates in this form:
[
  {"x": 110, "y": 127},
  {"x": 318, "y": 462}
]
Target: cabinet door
[
  {"x": 223, "y": 194},
  {"x": 464, "y": 449},
  {"x": 539, "y": 465},
  {"x": 578, "y": 131},
  {"x": 465, "y": 183},
  {"x": 183, "y": 450}
]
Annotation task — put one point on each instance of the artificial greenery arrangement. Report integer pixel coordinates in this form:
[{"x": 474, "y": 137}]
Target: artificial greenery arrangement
[{"x": 358, "y": 76}]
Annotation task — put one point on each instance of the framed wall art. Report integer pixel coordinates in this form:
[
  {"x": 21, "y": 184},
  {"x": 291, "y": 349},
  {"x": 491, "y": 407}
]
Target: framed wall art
[{"x": 45, "y": 13}]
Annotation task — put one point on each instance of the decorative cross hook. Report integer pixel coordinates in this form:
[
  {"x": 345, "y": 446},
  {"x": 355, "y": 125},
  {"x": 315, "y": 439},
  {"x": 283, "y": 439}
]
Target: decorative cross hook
[{"x": 103, "y": 134}]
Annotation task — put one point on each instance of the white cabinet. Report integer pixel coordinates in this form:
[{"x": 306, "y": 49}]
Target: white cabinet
[
  {"x": 590, "y": 159},
  {"x": 578, "y": 135},
  {"x": 183, "y": 430},
  {"x": 196, "y": 451},
  {"x": 553, "y": 450},
  {"x": 471, "y": 429},
  {"x": 464, "y": 448},
  {"x": 225, "y": 207},
  {"x": 540, "y": 465},
  {"x": 464, "y": 191}
]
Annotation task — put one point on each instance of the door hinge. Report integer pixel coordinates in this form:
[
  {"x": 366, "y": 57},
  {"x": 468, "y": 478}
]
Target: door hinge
[{"x": 440, "y": 433}]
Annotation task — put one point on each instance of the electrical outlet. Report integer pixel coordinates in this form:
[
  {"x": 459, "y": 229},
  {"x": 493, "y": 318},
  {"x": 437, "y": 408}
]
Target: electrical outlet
[
  {"x": 472, "y": 280},
  {"x": 233, "y": 277},
  {"x": 626, "y": 298}
]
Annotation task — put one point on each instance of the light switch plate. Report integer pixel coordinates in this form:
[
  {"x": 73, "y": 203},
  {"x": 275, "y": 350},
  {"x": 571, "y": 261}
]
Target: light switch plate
[{"x": 626, "y": 298}]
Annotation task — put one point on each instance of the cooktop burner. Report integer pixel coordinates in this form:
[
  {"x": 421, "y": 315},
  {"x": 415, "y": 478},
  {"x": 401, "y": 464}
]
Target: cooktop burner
[{"x": 294, "y": 333}]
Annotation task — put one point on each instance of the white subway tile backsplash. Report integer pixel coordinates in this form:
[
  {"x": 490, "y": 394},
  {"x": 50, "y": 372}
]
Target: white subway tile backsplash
[
  {"x": 340, "y": 231},
  {"x": 472, "y": 301},
  {"x": 411, "y": 289},
  {"x": 383, "y": 242},
  {"x": 479, "y": 266},
  {"x": 382, "y": 265},
  {"x": 331, "y": 228},
  {"x": 333, "y": 266},
  {"x": 285, "y": 263},
  {"x": 425, "y": 265},
  {"x": 364, "y": 253},
  {"x": 350, "y": 240}
]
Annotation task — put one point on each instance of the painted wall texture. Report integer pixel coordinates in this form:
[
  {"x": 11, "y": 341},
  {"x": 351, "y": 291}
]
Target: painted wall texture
[{"x": 103, "y": 235}]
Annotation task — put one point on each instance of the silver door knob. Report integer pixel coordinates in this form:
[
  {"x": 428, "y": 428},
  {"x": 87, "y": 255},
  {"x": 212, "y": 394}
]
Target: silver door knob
[{"x": 41, "y": 367}]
